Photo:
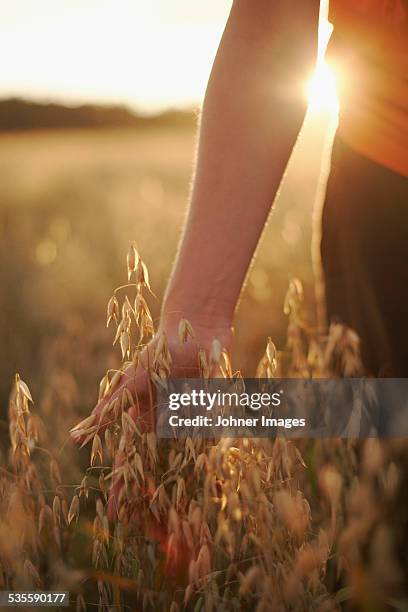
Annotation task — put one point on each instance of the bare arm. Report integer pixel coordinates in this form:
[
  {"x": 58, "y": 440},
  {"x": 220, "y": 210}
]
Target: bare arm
[{"x": 252, "y": 114}]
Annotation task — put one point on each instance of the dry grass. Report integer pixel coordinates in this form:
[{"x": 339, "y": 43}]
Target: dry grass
[
  {"x": 233, "y": 525},
  {"x": 203, "y": 525},
  {"x": 70, "y": 202}
]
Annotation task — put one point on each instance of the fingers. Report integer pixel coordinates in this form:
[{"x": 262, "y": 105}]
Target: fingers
[
  {"x": 131, "y": 388},
  {"x": 97, "y": 421},
  {"x": 135, "y": 395}
]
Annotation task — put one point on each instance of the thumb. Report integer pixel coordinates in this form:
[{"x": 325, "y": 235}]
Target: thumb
[{"x": 108, "y": 408}]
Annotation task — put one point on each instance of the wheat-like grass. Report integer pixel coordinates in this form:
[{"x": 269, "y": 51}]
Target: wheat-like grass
[{"x": 200, "y": 524}]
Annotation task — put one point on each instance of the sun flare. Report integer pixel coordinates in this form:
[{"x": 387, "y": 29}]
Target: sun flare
[{"x": 321, "y": 89}]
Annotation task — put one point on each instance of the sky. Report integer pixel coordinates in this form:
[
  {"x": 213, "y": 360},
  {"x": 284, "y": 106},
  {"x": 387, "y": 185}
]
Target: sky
[
  {"x": 149, "y": 54},
  {"x": 146, "y": 54}
]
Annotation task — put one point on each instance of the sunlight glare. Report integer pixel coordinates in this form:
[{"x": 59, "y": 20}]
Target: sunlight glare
[
  {"x": 321, "y": 89},
  {"x": 125, "y": 51}
]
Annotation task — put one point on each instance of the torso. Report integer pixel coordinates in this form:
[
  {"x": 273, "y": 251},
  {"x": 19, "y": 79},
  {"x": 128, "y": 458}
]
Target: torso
[{"x": 369, "y": 46}]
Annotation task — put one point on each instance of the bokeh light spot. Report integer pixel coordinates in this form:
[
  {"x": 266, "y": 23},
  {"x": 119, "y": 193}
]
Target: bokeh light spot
[{"x": 46, "y": 252}]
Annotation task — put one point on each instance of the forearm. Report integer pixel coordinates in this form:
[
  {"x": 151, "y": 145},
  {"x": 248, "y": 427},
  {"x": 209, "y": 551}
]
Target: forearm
[{"x": 252, "y": 114}]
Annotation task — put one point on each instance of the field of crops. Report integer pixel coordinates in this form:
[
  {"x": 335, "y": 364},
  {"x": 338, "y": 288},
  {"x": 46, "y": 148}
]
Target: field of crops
[
  {"x": 199, "y": 525},
  {"x": 72, "y": 202}
]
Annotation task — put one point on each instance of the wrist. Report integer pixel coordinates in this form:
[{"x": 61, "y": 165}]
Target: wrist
[
  {"x": 206, "y": 328},
  {"x": 171, "y": 316},
  {"x": 202, "y": 311}
]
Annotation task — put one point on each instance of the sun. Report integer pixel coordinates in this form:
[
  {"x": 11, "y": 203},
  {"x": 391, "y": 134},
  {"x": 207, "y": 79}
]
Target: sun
[{"x": 321, "y": 89}]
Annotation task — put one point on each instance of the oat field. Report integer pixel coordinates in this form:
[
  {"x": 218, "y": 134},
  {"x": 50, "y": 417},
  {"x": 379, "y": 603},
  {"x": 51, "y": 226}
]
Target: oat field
[
  {"x": 198, "y": 525},
  {"x": 73, "y": 200}
]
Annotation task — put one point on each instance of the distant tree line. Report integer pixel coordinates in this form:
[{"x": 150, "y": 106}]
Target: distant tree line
[{"x": 17, "y": 114}]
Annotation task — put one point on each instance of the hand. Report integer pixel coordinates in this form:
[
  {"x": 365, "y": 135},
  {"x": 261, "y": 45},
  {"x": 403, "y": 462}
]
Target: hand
[
  {"x": 137, "y": 377},
  {"x": 185, "y": 357}
]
